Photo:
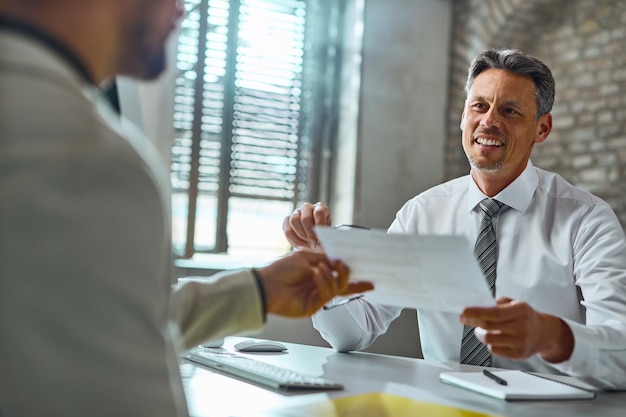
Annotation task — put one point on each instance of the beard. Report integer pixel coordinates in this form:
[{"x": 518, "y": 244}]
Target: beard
[
  {"x": 143, "y": 64},
  {"x": 144, "y": 55},
  {"x": 489, "y": 166},
  {"x": 153, "y": 66},
  {"x": 486, "y": 166}
]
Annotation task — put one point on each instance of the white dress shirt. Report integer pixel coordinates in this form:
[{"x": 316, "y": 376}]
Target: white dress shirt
[{"x": 560, "y": 249}]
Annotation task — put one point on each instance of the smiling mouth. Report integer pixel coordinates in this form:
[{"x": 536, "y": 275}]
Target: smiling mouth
[{"x": 489, "y": 142}]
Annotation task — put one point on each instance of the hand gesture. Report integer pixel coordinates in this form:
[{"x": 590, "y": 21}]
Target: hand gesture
[
  {"x": 298, "y": 227},
  {"x": 514, "y": 330},
  {"x": 301, "y": 283}
]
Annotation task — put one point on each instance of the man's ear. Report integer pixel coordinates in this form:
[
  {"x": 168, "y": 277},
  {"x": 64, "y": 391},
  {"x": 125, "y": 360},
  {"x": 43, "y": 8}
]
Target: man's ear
[{"x": 544, "y": 127}]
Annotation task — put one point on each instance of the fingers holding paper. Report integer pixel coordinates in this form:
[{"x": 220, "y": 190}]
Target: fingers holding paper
[
  {"x": 300, "y": 284},
  {"x": 514, "y": 330},
  {"x": 299, "y": 226}
]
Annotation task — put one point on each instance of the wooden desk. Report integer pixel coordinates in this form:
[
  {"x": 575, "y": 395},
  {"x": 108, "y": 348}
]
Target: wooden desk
[{"x": 212, "y": 394}]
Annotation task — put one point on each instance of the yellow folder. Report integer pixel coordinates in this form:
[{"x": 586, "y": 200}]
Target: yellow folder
[{"x": 377, "y": 404}]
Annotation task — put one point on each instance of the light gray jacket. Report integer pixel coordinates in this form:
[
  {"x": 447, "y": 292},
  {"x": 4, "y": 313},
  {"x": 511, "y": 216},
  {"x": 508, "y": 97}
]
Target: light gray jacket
[{"x": 89, "y": 325}]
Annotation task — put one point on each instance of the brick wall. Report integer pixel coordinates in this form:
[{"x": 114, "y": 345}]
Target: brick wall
[{"x": 584, "y": 43}]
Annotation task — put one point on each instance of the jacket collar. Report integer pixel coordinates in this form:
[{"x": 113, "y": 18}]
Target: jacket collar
[{"x": 24, "y": 29}]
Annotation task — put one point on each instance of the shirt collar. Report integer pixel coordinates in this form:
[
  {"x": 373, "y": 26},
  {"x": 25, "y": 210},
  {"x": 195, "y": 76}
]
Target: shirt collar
[
  {"x": 516, "y": 195},
  {"x": 51, "y": 42}
]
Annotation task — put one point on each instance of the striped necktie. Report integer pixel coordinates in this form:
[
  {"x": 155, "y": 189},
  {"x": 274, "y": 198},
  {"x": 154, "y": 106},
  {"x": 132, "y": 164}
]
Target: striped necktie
[{"x": 473, "y": 352}]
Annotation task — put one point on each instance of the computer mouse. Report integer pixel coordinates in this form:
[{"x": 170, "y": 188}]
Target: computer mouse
[
  {"x": 260, "y": 345},
  {"x": 214, "y": 343}
]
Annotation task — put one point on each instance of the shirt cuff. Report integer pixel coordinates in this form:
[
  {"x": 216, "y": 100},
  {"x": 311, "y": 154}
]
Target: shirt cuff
[
  {"x": 584, "y": 357},
  {"x": 259, "y": 284}
]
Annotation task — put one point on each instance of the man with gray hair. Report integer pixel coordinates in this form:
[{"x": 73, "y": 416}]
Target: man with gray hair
[{"x": 553, "y": 254}]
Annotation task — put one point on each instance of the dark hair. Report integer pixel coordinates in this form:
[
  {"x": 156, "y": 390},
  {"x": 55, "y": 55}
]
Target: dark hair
[{"x": 517, "y": 62}]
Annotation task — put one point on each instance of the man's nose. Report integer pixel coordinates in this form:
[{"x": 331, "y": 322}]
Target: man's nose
[{"x": 491, "y": 118}]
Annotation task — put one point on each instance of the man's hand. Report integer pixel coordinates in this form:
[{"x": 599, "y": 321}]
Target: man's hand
[
  {"x": 515, "y": 330},
  {"x": 298, "y": 226},
  {"x": 300, "y": 284}
]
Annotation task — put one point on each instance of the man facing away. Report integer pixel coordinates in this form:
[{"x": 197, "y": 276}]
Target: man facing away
[
  {"x": 89, "y": 325},
  {"x": 560, "y": 283}
]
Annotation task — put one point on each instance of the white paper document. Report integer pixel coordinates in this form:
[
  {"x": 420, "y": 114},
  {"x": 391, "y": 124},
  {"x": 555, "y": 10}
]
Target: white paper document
[{"x": 430, "y": 272}]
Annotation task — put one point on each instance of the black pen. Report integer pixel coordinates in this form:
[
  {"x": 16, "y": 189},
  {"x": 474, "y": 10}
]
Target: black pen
[{"x": 495, "y": 377}]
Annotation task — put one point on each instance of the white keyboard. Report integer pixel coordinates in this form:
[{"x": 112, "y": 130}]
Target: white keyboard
[{"x": 256, "y": 371}]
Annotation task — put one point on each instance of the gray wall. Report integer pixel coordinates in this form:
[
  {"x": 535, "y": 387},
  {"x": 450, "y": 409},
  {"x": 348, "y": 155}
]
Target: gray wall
[
  {"x": 400, "y": 136},
  {"x": 403, "y": 104}
]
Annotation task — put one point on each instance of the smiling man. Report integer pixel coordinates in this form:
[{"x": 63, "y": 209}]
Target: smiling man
[
  {"x": 501, "y": 124},
  {"x": 554, "y": 255}
]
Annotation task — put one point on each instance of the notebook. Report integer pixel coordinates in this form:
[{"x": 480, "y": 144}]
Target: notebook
[{"x": 521, "y": 385}]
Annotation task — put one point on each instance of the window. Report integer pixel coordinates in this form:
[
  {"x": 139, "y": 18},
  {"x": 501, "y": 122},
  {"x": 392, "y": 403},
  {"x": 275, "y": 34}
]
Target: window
[{"x": 255, "y": 106}]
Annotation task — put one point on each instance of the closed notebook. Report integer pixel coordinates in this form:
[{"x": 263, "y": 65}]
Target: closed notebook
[{"x": 520, "y": 386}]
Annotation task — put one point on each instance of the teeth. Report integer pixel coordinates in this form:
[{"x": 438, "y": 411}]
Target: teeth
[{"x": 488, "y": 142}]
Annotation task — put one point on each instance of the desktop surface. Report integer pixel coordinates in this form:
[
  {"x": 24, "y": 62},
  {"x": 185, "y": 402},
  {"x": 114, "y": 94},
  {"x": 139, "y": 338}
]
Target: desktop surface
[{"x": 210, "y": 393}]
